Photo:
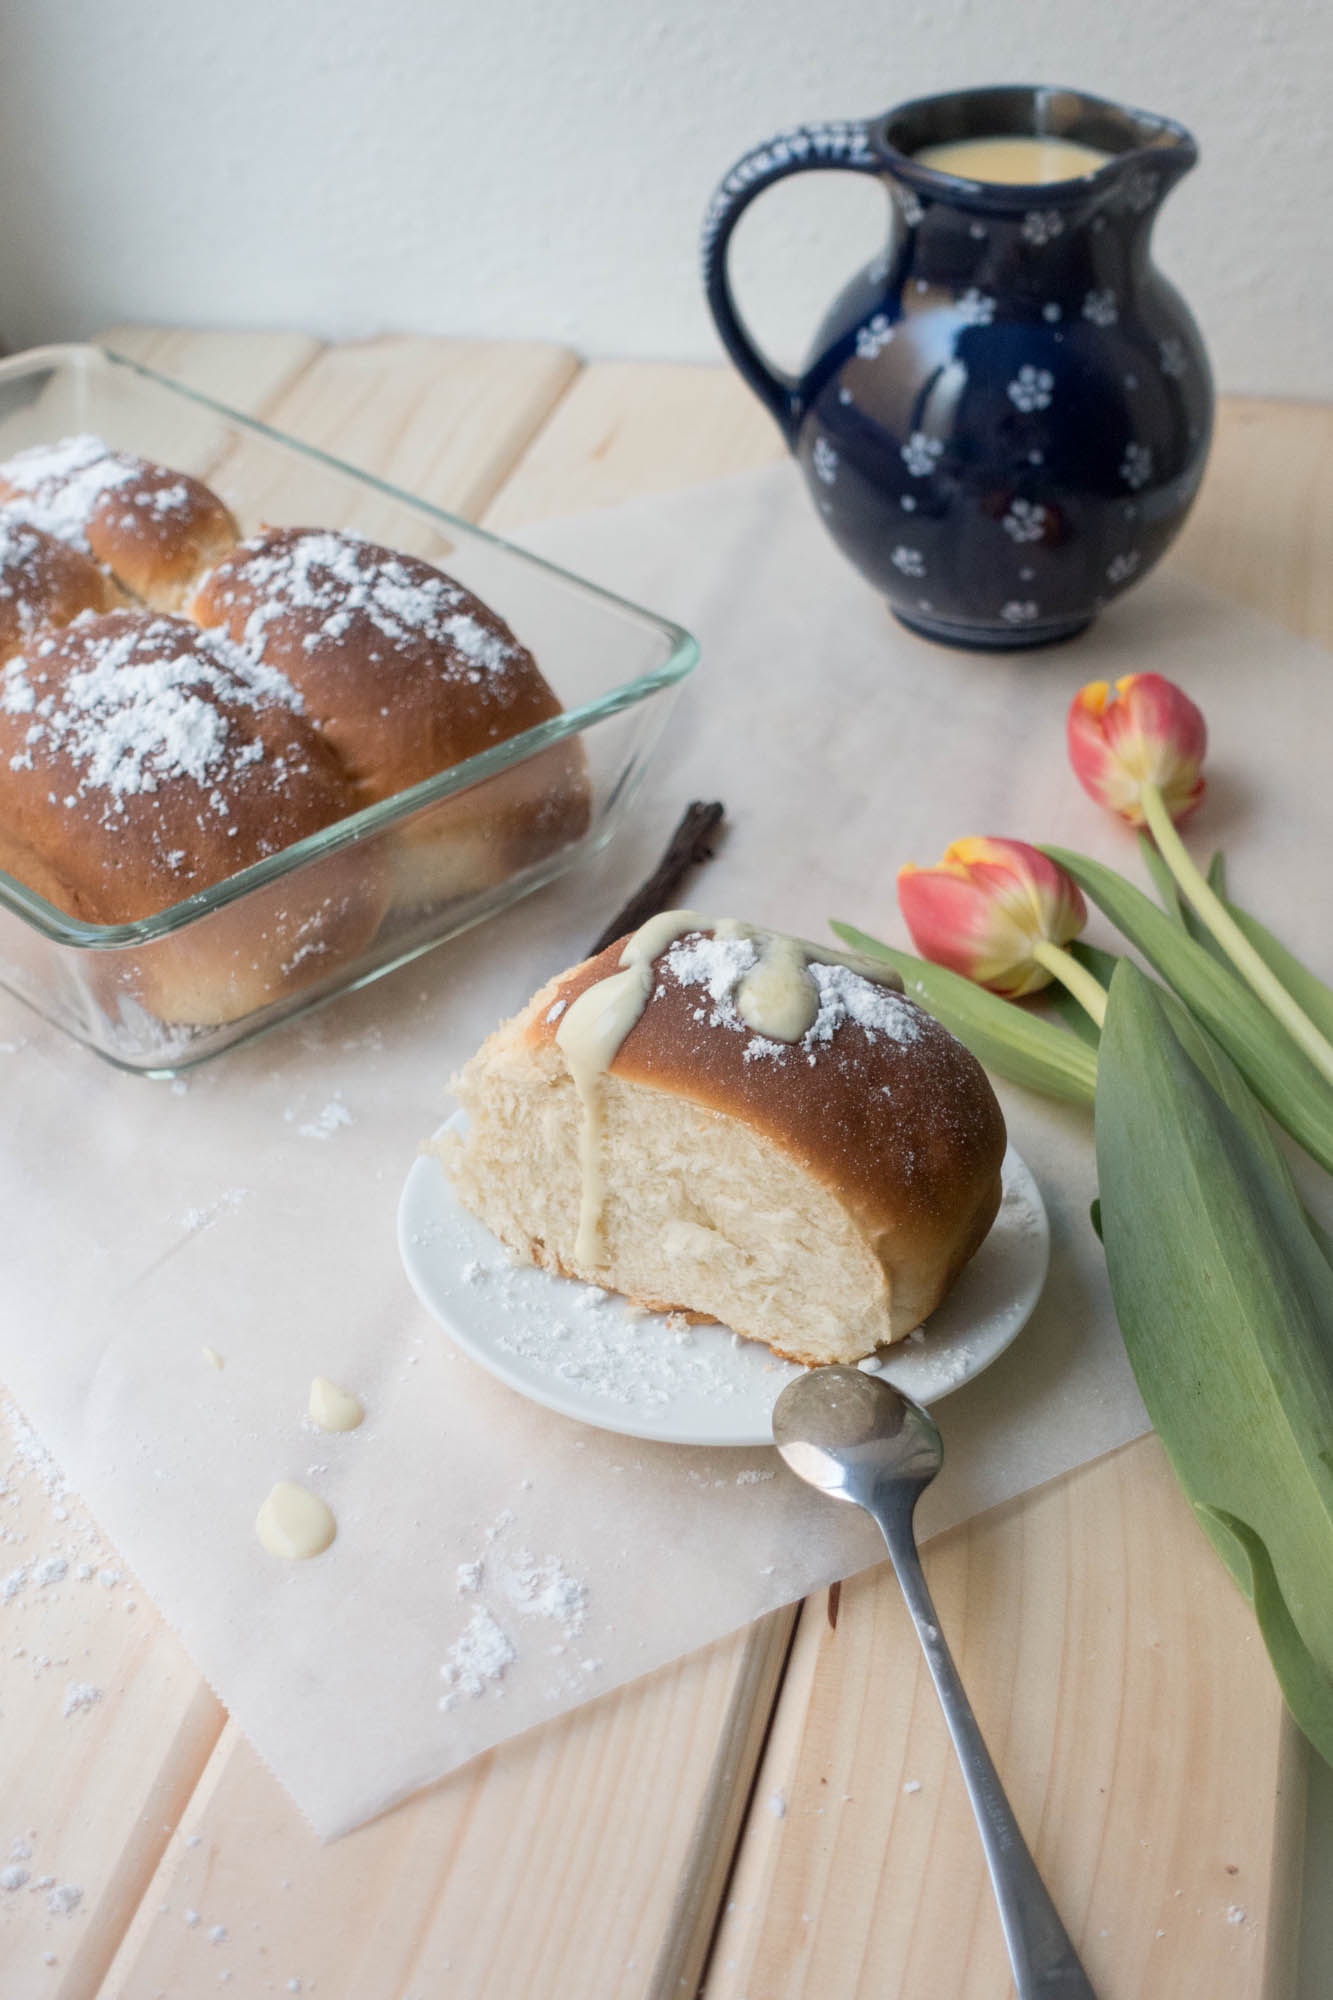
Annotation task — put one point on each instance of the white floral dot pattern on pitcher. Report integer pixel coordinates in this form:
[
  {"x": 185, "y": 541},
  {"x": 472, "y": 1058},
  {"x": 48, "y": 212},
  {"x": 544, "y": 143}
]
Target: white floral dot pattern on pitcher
[
  {"x": 1173, "y": 357},
  {"x": 1100, "y": 308},
  {"x": 1042, "y": 226},
  {"x": 976, "y": 308},
  {"x": 825, "y": 461},
  {"x": 921, "y": 454},
  {"x": 1051, "y": 312},
  {"x": 1026, "y": 521},
  {"x": 1019, "y": 612},
  {"x": 1136, "y": 466},
  {"x": 832, "y": 140},
  {"x": 1031, "y": 389},
  {"x": 911, "y": 207},
  {"x": 908, "y": 562},
  {"x": 873, "y": 336},
  {"x": 1121, "y": 568}
]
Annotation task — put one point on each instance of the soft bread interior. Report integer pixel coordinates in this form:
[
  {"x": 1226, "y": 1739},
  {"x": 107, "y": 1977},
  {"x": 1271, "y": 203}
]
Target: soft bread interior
[{"x": 700, "y": 1212}]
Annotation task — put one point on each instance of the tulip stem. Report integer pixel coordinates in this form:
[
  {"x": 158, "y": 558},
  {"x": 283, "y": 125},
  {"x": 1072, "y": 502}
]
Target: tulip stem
[
  {"x": 1214, "y": 913},
  {"x": 1062, "y": 965}
]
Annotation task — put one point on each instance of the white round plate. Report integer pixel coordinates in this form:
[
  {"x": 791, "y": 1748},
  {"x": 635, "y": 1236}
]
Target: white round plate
[{"x": 592, "y": 1356}]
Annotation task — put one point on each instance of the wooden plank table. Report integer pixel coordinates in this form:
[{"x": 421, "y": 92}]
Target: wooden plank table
[{"x": 778, "y": 1815}]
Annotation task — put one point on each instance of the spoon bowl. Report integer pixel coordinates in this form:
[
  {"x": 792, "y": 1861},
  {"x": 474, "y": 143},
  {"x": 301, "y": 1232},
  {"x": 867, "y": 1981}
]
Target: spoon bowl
[{"x": 847, "y": 1433}]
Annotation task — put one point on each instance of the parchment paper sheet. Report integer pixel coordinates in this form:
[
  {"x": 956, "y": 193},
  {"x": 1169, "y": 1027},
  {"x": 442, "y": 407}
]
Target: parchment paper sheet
[{"x": 253, "y": 1208}]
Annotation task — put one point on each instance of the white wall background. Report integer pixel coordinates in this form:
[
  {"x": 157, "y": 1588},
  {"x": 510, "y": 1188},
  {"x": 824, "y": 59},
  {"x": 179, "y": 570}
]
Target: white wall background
[{"x": 518, "y": 167}]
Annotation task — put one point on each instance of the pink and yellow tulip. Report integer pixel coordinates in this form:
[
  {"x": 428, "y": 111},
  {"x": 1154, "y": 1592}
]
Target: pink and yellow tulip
[
  {"x": 1140, "y": 753},
  {"x": 1146, "y": 733},
  {"x": 995, "y": 910}
]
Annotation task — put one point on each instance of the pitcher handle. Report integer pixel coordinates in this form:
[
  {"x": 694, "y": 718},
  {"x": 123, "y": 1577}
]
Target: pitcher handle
[{"x": 844, "y": 146}]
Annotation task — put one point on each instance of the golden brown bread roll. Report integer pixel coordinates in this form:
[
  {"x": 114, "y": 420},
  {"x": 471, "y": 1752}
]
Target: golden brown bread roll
[
  {"x": 407, "y": 674},
  {"x": 142, "y": 760},
  {"x": 815, "y": 1182},
  {"x": 44, "y": 583},
  {"x": 155, "y": 530}
]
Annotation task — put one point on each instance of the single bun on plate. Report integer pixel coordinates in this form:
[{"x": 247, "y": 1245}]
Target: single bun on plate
[
  {"x": 738, "y": 1126},
  {"x": 143, "y": 760},
  {"x": 156, "y": 531},
  {"x": 44, "y": 583},
  {"x": 407, "y": 674}
]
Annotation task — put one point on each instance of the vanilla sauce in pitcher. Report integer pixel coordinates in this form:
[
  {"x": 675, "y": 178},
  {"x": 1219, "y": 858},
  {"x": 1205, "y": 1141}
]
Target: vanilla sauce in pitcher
[{"x": 1014, "y": 161}]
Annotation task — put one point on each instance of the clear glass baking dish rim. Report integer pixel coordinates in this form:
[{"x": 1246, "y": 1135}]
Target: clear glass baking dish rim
[{"x": 357, "y": 827}]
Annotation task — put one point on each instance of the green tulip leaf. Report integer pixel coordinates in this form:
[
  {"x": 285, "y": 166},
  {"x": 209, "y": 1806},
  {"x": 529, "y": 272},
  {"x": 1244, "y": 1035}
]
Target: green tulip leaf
[
  {"x": 1307, "y": 1691},
  {"x": 1002, "y": 1035},
  {"x": 1226, "y": 1306},
  {"x": 1218, "y": 1070},
  {"x": 1283, "y": 1079}
]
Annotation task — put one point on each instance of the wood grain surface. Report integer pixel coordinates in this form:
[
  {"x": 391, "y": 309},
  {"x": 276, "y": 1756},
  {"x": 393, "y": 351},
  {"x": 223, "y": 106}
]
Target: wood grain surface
[{"x": 741, "y": 1818}]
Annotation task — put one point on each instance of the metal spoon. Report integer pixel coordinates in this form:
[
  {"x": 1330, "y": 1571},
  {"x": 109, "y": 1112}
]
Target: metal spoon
[{"x": 855, "y": 1437}]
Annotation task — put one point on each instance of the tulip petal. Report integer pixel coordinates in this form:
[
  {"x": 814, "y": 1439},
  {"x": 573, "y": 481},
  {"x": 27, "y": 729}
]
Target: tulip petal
[
  {"x": 1150, "y": 732},
  {"x": 985, "y": 906}
]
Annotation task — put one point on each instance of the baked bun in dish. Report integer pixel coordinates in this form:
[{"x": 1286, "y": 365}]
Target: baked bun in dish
[
  {"x": 407, "y": 674},
  {"x": 147, "y": 756},
  {"x": 739, "y": 1126},
  {"x": 141, "y": 760},
  {"x": 44, "y": 583},
  {"x": 154, "y": 530},
  {"x": 404, "y": 670}
]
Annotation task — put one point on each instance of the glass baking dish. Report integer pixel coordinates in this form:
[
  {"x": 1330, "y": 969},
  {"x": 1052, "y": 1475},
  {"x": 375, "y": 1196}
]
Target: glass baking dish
[{"x": 358, "y": 898}]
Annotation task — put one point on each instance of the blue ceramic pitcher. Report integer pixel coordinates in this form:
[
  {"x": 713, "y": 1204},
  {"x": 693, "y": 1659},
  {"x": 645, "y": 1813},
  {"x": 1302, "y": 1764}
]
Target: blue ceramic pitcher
[{"x": 1007, "y": 413}]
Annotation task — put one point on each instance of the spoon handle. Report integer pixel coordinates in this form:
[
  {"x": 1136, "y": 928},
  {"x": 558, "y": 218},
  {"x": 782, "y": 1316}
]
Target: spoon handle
[{"x": 1045, "y": 1963}]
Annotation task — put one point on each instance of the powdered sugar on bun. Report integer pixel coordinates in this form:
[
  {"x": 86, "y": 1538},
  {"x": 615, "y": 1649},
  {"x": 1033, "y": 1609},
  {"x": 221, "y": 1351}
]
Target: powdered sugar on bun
[
  {"x": 155, "y": 530},
  {"x": 721, "y": 965},
  {"x": 43, "y": 583},
  {"x": 405, "y": 670},
  {"x": 59, "y": 487},
  {"x": 175, "y": 759}
]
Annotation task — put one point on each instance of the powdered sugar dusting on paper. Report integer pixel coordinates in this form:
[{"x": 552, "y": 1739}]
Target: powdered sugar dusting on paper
[
  {"x": 326, "y": 1122},
  {"x": 477, "y": 1660},
  {"x": 545, "y": 1589},
  {"x": 519, "y": 1586},
  {"x": 195, "y": 1220}
]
